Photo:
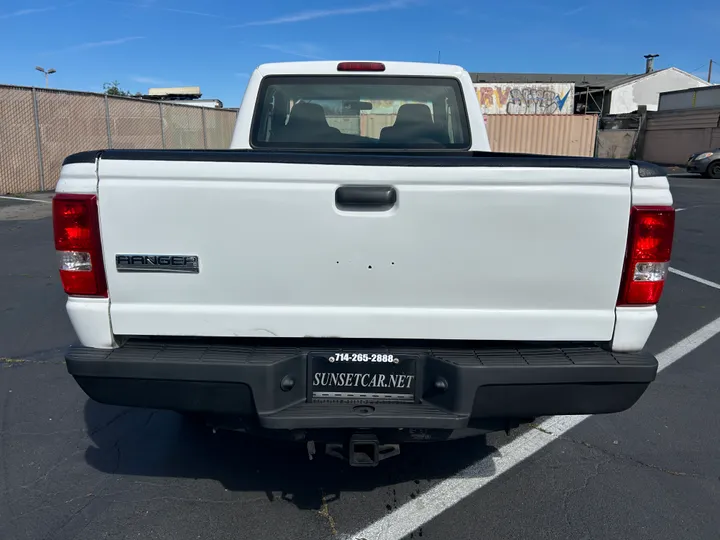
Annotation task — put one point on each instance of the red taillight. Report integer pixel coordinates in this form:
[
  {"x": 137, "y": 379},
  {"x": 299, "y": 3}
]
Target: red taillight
[
  {"x": 77, "y": 242},
  {"x": 649, "y": 247},
  {"x": 361, "y": 66}
]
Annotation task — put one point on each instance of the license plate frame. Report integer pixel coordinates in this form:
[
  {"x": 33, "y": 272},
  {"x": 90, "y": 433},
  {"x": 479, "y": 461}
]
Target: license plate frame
[{"x": 367, "y": 376}]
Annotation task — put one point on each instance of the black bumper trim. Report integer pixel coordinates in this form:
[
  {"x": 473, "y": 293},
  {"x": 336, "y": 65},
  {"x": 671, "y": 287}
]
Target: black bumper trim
[{"x": 243, "y": 378}]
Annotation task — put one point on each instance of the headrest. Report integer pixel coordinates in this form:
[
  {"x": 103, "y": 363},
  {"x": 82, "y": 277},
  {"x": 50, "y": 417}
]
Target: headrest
[
  {"x": 307, "y": 113},
  {"x": 414, "y": 113}
]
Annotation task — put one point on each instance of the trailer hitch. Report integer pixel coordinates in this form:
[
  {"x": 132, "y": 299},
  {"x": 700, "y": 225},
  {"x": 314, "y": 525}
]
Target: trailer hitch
[{"x": 363, "y": 450}]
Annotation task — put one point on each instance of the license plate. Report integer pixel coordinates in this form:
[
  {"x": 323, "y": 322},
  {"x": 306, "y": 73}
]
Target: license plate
[{"x": 363, "y": 375}]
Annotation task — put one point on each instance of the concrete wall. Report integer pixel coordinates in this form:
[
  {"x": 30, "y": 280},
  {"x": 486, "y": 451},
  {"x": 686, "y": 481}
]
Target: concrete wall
[
  {"x": 646, "y": 90},
  {"x": 615, "y": 143},
  {"x": 524, "y": 98}
]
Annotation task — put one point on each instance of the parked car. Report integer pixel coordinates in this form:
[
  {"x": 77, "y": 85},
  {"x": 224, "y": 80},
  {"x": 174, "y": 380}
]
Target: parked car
[
  {"x": 366, "y": 282},
  {"x": 705, "y": 163}
]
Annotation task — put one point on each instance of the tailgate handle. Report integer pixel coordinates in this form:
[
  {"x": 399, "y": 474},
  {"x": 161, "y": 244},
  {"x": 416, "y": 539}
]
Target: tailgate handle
[{"x": 365, "y": 198}]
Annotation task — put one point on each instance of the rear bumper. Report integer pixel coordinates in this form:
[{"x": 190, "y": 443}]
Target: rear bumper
[{"x": 482, "y": 384}]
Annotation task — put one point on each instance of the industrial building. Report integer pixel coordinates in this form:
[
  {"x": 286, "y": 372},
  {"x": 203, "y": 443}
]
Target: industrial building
[
  {"x": 603, "y": 94},
  {"x": 686, "y": 122}
]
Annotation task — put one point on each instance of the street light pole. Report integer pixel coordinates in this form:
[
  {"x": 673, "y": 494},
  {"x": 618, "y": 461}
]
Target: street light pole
[{"x": 47, "y": 73}]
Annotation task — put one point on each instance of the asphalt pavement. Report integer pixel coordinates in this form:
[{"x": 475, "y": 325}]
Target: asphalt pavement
[{"x": 71, "y": 468}]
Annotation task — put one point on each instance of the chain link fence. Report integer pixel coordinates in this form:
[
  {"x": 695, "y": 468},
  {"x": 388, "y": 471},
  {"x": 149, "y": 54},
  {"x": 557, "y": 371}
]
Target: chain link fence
[
  {"x": 183, "y": 127},
  {"x": 219, "y": 126},
  {"x": 19, "y": 163},
  {"x": 39, "y": 128},
  {"x": 135, "y": 124}
]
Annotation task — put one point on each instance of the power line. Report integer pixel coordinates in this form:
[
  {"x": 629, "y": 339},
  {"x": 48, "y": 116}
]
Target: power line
[
  {"x": 706, "y": 70},
  {"x": 702, "y": 67}
]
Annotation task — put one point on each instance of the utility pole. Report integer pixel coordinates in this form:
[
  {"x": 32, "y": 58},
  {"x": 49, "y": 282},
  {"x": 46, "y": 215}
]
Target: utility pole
[
  {"x": 438, "y": 57},
  {"x": 710, "y": 70}
]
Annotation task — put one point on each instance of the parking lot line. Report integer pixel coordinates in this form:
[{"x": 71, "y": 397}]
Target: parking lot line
[
  {"x": 695, "y": 278},
  {"x": 415, "y": 513},
  {"x": 24, "y": 199}
]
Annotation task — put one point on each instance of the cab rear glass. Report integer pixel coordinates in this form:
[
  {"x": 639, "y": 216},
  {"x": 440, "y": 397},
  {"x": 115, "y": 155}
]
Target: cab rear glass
[{"x": 367, "y": 112}]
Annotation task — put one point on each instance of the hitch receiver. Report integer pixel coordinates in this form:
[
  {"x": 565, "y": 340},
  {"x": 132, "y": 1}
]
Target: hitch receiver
[{"x": 364, "y": 450}]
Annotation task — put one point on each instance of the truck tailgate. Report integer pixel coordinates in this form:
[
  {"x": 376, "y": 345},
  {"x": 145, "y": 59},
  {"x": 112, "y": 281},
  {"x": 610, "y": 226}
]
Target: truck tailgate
[{"x": 465, "y": 252}]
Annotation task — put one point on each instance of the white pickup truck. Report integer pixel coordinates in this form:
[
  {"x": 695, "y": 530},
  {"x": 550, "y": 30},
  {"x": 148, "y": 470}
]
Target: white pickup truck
[{"x": 360, "y": 270}]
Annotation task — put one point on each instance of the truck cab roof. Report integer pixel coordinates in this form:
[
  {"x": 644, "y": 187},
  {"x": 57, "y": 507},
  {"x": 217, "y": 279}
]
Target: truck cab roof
[{"x": 329, "y": 67}]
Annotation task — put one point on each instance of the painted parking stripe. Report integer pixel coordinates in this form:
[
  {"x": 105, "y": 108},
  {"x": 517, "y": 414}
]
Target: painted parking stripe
[
  {"x": 24, "y": 199},
  {"x": 695, "y": 278},
  {"x": 415, "y": 513}
]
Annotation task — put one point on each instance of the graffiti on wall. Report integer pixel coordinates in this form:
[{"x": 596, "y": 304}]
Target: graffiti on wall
[{"x": 517, "y": 98}]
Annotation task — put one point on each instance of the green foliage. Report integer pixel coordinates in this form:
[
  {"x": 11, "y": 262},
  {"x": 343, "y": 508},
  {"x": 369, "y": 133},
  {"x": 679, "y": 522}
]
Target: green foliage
[{"x": 113, "y": 89}]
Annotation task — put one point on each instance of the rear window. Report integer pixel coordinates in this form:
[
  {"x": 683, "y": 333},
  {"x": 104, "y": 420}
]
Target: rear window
[{"x": 360, "y": 112}]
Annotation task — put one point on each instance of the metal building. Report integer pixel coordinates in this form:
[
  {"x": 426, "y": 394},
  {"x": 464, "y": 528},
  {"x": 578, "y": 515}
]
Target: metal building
[{"x": 692, "y": 98}]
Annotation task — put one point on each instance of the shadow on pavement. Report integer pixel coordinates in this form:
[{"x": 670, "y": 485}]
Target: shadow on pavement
[{"x": 161, "y": 444}]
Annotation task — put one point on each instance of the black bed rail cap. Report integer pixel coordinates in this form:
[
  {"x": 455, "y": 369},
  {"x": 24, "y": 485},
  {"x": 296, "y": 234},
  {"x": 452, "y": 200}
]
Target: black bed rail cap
[
  {"x": 647, "y": 170},
  {"x": 88, "y": 156}
]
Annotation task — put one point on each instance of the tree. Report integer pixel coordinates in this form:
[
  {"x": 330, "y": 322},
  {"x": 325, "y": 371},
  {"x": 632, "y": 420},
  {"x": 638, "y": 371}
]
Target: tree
[{"x": 113, "y": 89}]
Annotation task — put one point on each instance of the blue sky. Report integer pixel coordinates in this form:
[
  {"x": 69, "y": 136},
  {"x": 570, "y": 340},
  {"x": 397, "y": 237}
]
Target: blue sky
[{"x": 215, "y": 44}]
